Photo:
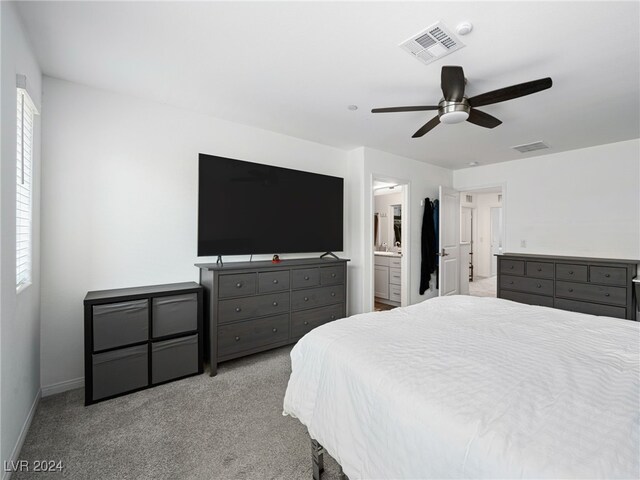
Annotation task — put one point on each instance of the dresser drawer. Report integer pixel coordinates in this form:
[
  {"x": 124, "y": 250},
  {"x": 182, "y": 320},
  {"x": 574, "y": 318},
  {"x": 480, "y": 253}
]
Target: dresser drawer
[
  {"x": 608, "y": 275},
  {"x": 306, "y": 277},
  {"x": 592, "y": 293},
  {"x": 331, "y": 275},
  {"x": 529, "y": 285},
  {"x": 119, "y": 324},
  {"x": 395, "y": 262},
  {"x": 515, "y": 267},
  {"x": 528, "y": 298},
  {"x": 315, "y": 297},
  {"x": 395, "y": 276},
  {"x": 306, "y": 320},
  {"x": 243, "y": 336},
  {"x": 273, "y": 281},
  {"x": 257, "y": 306},
  {"x": 540, "y": 269},
  {"x": 236, "y": 285},
  {"x": 591, "y": 308},
  {"x": 575, "y": 273}
]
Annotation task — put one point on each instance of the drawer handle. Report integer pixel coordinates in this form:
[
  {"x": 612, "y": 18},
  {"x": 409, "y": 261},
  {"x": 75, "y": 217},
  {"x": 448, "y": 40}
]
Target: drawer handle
[
  {"x": 274, "y": 330},
  {"x": 607, "y": 294},
  {"x": 607, "y": 275},
  {"x": 275, "y": 281},
  {"x": 511, "y": 267},
  {"x": 306, "y": 323},
  {"x": 571, "y": 289},
  {"x": 333, "y": 275},
  {"x": 275, "y": 304},
  {"x": 238, "y": 309},
  {"x": 538, "y": 285},
  {"x": 239, "y": 285},
  {"x": 333, "y": 317},
  {"x": 333, "y": 294},
  {"x": 570, "y": 272},
  {"x": 306, "y": 277},
  {"x": 237, "y": 339},
  {"x": 510, "y": 282},
  {"x": 306, "y": 299},
  {"x": 539, "y": 269}
]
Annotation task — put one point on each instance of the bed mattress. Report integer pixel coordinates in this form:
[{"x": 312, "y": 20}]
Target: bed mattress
[{"x": 466, "y": 387}]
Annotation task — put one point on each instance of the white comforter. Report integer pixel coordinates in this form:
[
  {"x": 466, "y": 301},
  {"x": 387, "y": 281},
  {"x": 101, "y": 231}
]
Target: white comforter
[{"x": 465, "y": 387}]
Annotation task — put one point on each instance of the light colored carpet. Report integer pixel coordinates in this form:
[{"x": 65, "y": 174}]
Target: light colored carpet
[
  {"x": 484, "y": 287},
  {"x": 224, "y": 427}
]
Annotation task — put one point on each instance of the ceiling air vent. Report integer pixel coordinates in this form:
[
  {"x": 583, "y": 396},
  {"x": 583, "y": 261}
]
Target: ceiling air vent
[
  {"x": 469, "y": 198},
  {"x": 530, "y": 147},
  {"x": 432, "y": 43}
]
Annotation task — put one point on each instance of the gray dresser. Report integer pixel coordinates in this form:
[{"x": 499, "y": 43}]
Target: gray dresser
[
  {"x": 138, "y": 337},
  {"x": 255, "y": 306},
  {"x": 596, "y": 286}
]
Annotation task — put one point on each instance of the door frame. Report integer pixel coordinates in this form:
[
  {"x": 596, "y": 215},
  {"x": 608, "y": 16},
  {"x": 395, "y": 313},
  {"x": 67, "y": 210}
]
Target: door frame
[
  {"x": 503, "y": 186},
  {"x": 405, "y": 236}
]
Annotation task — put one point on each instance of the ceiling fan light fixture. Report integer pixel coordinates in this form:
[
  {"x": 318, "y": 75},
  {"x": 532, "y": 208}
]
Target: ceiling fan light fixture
[
  {"x": 453, "y": 112},
  {"x": 454, "y": 117}
]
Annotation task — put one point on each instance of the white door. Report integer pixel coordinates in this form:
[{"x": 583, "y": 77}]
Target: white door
[
  {"x": 496, "y": 238},
  {"x": 449, "y": 241}
]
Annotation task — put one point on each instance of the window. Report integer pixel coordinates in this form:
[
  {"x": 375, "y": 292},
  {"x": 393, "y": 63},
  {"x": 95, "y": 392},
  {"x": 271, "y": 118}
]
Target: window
[{"x": 24, "y": 187}]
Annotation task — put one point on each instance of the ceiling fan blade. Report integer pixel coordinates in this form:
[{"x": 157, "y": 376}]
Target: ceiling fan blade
[
  {"x": 426, "y": 127},
  {"x": 509, "y": 93},
  {"x": 482, "y": 119},
  {"x": 452, "y": 83},
  {"x": 404, "y": 109}
]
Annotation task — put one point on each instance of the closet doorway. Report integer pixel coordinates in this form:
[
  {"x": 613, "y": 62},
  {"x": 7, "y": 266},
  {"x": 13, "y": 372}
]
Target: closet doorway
[
  {"x": 482, "y": 233},
  {"x": 389, "y": 240}
]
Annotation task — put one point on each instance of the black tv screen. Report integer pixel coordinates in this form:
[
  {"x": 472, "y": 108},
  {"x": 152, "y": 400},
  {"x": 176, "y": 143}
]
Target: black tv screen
[{"x": 248, "y": 208}]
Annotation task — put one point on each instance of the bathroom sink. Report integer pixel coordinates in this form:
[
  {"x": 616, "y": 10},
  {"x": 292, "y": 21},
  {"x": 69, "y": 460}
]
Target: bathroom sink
[{"x": 388, "y": 254}]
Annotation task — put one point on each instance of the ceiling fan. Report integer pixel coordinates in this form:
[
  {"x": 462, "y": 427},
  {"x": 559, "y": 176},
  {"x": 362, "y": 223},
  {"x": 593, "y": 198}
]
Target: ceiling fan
[{"x": 456, "y": 107}]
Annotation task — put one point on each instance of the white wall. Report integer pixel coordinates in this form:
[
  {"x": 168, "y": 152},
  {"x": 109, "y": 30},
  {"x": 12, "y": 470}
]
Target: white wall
[
  {"x": 20, "y": 314},
  {"x": 423, "y": 180},
  {"x": 120, "y": 200},
  {"x": 583, "y": 202}
]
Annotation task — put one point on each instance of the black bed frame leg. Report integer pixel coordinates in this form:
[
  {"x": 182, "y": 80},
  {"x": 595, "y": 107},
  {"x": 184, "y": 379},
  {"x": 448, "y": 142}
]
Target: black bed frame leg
[{"x": 318, "y": 460}]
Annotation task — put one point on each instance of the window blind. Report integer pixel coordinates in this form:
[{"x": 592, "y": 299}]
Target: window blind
[{"x": 24, "y": 188}]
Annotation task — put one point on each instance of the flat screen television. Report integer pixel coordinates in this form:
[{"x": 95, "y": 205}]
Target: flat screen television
[{"x": 249, "y": 208}]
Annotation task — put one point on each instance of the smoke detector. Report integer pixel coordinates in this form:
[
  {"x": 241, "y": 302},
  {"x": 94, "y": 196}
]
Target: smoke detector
[{"x": 432, "y": 43}]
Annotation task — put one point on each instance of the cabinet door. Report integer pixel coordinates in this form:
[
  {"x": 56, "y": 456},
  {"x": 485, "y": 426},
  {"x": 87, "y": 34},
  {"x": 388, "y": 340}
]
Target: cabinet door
[{"x": 381, "y": 282}]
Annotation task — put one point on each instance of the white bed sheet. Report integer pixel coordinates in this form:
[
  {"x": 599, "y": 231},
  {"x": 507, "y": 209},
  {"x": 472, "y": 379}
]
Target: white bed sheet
[{"x": 466, "y": 387}]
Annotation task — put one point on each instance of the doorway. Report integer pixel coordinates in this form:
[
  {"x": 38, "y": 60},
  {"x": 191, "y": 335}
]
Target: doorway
[
  {"x": 389, "y": 244},
  {"x": 482, "y": 233}
]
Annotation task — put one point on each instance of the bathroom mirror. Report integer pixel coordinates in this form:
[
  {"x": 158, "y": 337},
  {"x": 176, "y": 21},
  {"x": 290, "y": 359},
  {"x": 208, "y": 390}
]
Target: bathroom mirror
[{"x": 395, "y": 212}]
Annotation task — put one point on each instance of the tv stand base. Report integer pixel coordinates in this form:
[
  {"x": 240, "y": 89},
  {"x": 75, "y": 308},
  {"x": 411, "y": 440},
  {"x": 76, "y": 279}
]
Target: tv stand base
[
  {"x": 219, "y": 261},
  {"x": 331, "y": 254}
]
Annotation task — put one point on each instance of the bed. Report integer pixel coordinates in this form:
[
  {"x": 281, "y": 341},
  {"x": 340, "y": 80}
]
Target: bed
[{"x": 469, "y": 387}]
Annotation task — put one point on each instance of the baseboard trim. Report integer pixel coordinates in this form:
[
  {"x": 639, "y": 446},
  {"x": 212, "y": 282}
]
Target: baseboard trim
[
  {"x": 23, "y": 433},
  {"x": 63, "y": 386}
]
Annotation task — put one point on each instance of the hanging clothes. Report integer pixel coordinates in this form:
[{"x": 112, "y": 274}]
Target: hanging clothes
[
  {"x": 436, "y": 229},
  {"x": 429, "y": 248}
]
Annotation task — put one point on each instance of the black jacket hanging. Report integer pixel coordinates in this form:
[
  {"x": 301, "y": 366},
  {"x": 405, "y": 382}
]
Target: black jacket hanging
[{"x": 429, "y": 248}]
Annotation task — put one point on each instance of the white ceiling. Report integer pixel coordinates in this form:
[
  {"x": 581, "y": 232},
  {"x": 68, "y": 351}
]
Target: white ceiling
[{"x": 293, "y": 67}]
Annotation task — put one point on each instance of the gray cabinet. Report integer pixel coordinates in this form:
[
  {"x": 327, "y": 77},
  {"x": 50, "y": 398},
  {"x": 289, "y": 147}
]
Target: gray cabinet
[
  {"x": 255, "y": 306},
  {"x": 388, "y": 279},
  {"x": 139, "y": 337},
  {"x": 596, "y": 286}
]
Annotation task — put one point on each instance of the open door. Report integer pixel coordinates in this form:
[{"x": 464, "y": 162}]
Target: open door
[{"x": 449, "y": 241}]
